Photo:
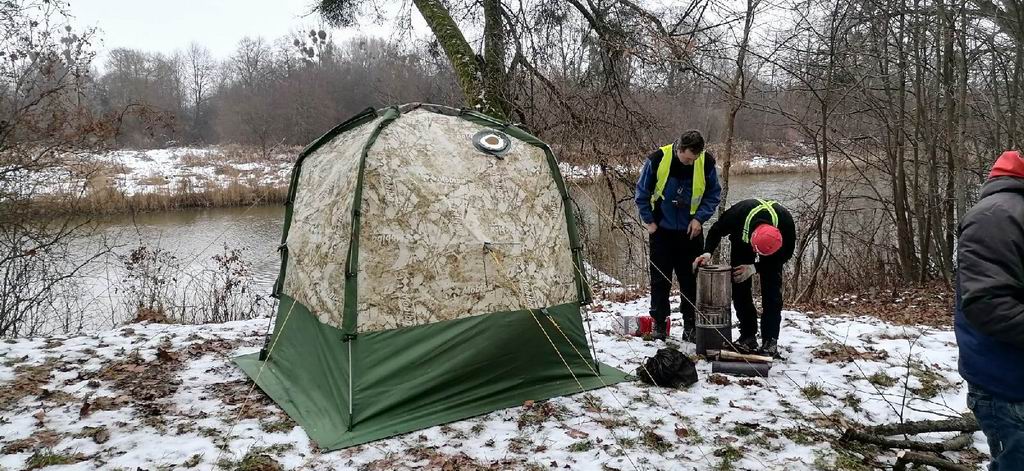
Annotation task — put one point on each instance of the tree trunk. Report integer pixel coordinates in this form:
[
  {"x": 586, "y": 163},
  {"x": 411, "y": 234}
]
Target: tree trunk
[
  {"x": 494, "y": 74},
  {"x": 952, "y": 146},
  {"x": 468, "y": 70},
  {"x": 961, "y": 136},
  {"x": 904, "y": 227},
  {"x": 950, "y": 132},
  {"x": 921, "y": 135},
  {"x": 737, "y": 95}
]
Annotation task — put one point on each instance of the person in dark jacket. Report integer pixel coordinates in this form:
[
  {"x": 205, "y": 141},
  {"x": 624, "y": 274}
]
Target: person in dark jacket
[
  {"x": 989, "y": 318},
  {"x": 763, "y": 237},
  {"x": 676, "y": 194}
]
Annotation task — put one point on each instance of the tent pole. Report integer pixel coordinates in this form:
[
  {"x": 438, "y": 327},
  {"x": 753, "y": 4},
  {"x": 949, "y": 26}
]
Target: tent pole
[{"x": 349, "y": 384}]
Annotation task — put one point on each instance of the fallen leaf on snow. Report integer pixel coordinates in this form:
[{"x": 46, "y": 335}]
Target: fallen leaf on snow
[{"x": 576, "y": 433}]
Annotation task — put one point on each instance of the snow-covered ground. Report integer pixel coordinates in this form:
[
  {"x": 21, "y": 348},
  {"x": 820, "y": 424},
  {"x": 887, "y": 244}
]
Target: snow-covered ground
[
  {"x": 155, "y": 396},
  {"x": 168, "y": 169},
  {"x": 171, "y": 170},
  {"x": 761, "y": 162}
]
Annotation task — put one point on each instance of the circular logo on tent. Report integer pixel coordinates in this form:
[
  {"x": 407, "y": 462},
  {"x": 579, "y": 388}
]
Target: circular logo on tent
[{"x": 492, "y": 142}]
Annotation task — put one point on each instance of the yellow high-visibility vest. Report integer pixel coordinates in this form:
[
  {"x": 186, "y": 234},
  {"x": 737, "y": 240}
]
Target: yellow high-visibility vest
[
  {"x": 765, "y": 205},
  {"x": 696, "y": 193}
]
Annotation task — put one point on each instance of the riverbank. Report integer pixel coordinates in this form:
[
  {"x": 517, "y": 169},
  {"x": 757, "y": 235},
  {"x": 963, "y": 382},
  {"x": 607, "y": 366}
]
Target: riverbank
[
  {"x": 165, "y": 179},
  {"x": 225, "y": 176},
  {"x": 167, "y": 396}
]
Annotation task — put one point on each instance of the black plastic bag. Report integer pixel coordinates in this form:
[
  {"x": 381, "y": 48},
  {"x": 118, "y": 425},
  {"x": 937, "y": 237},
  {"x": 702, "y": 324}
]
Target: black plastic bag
[{"x": 668, "y": 368}]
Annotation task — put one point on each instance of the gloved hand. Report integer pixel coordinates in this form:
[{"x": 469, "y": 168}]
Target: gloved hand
[
  {"x": 702, "y": 260},
  {"x": 743, "y": 273}
]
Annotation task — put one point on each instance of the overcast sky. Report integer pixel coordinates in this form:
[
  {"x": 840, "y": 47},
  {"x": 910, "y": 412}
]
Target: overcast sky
[{"x": 164, "y": 26}]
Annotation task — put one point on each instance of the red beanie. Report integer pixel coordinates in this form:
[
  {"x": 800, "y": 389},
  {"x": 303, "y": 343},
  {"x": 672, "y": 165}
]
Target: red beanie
[
  {"x": 1010, "y": 164},
  {"x": 766, "y": 239}
]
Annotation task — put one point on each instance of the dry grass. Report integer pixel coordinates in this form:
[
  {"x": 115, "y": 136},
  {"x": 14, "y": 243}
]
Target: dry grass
[
  {"x": 227, "y": 170},
  {"x": 194, "y": 160},
  {"x": 107, "y": 200},
  {"x": 244, "y": 154},
  {"x": 154, "y": 180}
]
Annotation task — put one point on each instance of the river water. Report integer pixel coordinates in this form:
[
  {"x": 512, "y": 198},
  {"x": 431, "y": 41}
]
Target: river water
[{"x": 192, "y": 238}]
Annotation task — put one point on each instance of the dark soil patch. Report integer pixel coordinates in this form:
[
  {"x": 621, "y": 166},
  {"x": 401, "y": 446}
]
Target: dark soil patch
[
  {"x": 28, "y": 381},
  {"x": 240, "y": 393},
  {"x": 438, "y": 461},
  {"x": 833, "y": 352},
  {"x": 148, "y": 385},
  {"x": 43, "y": 439}
]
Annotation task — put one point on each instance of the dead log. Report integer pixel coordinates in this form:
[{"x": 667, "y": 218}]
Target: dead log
[
  {"x": 905, "y": 458},
  {"x": 967, "y": 423},
  {"x": 952, "y": 444}
]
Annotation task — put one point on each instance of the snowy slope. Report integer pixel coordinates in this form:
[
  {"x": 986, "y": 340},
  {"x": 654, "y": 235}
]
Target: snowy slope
[
  {"x": 150, "y": 396},
  {"x": 172, "y": 170}
]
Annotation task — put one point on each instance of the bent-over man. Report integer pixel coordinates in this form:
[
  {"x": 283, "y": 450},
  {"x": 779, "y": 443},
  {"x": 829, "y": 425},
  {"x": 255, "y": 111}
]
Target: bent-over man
[{"x": 763, "y": 236}]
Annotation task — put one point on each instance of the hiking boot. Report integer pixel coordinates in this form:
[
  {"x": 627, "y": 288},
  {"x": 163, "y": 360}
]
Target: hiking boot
[
  {"x": 746, "y": 343},
  {"x": 770, "y": 347},
  {"x": 660, "y": 330}
]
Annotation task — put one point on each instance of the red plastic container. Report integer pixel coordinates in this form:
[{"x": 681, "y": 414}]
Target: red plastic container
[{"x": 646, "y": 326}]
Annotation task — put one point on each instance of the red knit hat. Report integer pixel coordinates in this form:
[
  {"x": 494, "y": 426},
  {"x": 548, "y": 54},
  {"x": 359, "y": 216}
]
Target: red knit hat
[
  {"x": 1010, "y": 164},
  {"x": 766, "y": 239}
]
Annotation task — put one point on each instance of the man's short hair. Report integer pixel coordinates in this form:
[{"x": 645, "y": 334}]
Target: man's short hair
[{"x": 692, "y": 140}]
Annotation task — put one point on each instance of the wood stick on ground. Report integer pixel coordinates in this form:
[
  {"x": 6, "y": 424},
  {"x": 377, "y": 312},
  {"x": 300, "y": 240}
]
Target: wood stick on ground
[
  {"x": 959, "y": 442},
  {"x": 967, "y": 423},
  {"x": 905, "y": 458},
  {"x": 952, "y": 444},
  {"x": 730, "y": 355}
]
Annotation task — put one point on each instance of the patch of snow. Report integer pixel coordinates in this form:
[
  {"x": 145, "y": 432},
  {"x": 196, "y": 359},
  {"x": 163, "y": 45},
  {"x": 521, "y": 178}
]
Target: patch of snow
[
  {"x": 598, "y": 276},
  {"x": 758, "y": 161}
]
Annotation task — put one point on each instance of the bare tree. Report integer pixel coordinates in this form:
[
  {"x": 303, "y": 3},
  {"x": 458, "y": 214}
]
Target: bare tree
[
  {"x": 481, "y": 78},
  {"x": 200, "y": 75},
  {"x": 737, "y": 96},
  {"x": 44, "y": 69}
]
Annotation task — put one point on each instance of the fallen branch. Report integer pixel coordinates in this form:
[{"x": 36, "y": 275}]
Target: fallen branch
[
  {"x": 967, "y": 423},
  {"x": 905, "y": 458},
  {"x": 957, "y": 443}
]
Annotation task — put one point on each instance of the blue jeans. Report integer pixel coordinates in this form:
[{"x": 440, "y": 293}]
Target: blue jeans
[{"x": 1003, "y": 424}]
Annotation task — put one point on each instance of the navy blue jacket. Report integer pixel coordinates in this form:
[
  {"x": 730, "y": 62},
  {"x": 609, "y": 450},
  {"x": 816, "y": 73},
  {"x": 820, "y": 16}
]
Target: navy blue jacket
[
  {"x": 989, "y": 319},
  {"x": 673, "y": 210}
]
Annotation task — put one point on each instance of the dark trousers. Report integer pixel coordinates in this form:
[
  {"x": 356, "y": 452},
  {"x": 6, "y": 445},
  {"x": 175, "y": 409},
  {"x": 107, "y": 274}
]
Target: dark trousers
[
  {"x": 771, "y": 296},
  {"x": 1003, "y": 424},
  {"x": 673, "y": 252}
]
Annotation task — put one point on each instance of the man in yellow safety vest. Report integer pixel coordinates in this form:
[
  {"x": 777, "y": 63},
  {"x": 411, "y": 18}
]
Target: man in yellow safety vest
[
  {"x": 677, "y": 193},
  {"x": 762, "y": 238}
]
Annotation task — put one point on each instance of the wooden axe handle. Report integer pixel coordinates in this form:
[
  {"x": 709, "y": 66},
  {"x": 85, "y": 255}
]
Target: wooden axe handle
[{"x": 730, "y": 355}]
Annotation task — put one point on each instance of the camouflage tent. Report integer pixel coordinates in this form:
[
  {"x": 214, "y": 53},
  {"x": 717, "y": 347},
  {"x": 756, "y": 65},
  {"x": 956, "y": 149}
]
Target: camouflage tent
[{"x": 430, "y": 271}]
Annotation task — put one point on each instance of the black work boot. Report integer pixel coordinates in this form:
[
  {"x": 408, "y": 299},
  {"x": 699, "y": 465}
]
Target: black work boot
[
  {"x": 660, "y": 330},
  {"x": 770, "y": 347},
  {"x": 746, "y": 343}
]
